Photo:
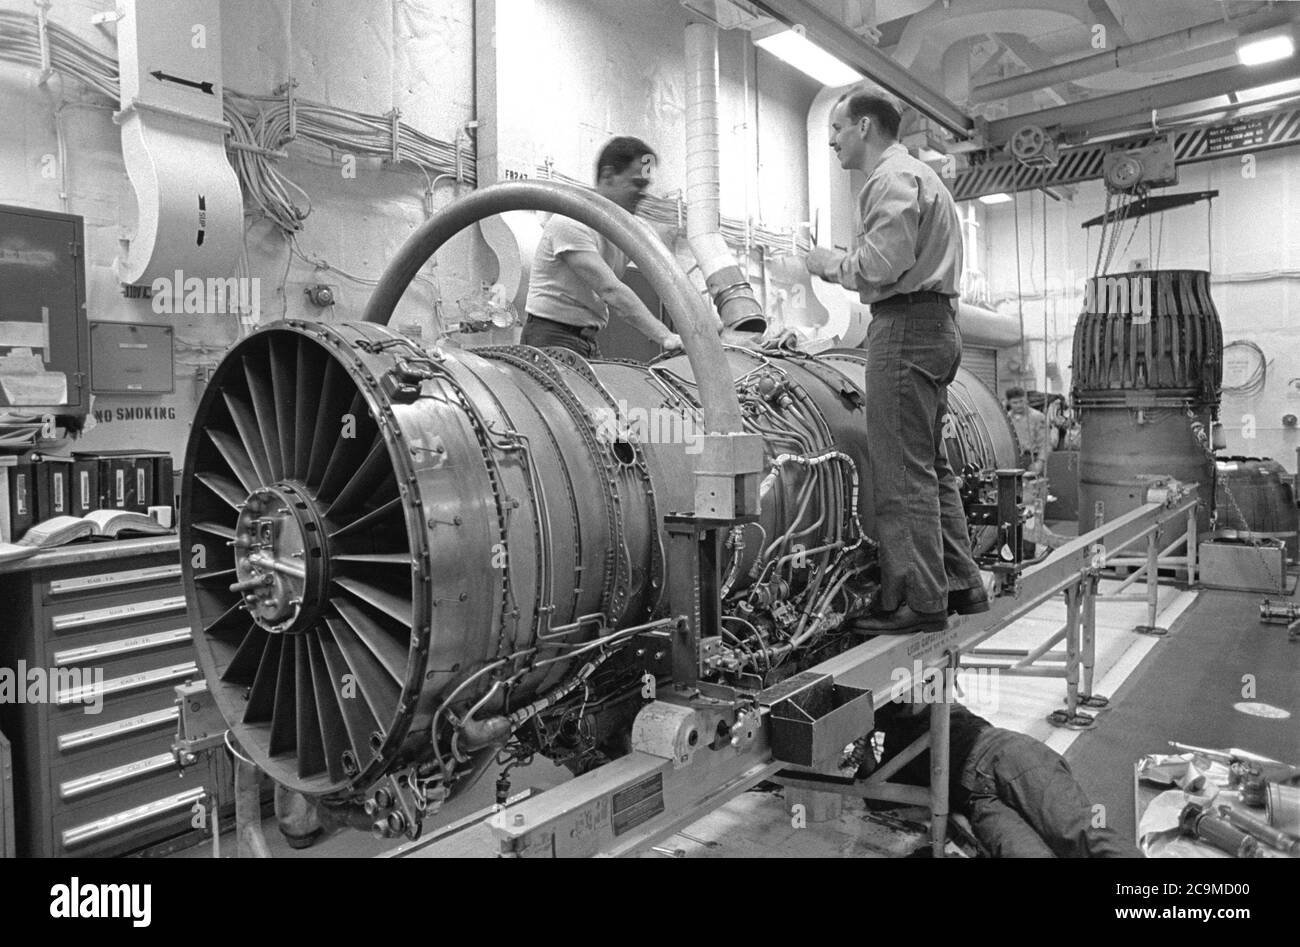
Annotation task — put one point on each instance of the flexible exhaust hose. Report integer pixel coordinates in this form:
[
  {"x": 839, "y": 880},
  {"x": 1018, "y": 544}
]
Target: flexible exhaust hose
[{"x": 691, "y": 317}]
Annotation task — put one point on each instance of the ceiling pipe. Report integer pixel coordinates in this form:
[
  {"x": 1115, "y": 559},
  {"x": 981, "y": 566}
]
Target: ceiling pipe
[
  {"x": 730, "y": 291},
  {"x": 1135, "y": 54}
]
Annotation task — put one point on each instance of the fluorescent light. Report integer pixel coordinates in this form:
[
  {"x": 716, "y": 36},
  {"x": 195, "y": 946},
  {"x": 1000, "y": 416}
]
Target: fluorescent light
[
  {"x": 808, "y": 58},
  {"x": 1272, "y": 89},
  {"x": 1269, "y": 46},
  {"x": 994, "y": 198}
]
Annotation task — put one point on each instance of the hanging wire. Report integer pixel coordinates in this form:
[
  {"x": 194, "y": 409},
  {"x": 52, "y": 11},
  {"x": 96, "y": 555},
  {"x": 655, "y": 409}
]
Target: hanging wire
[
  {"x": 1255, "y": 383},
  {"x": 1020, "y": 302}
]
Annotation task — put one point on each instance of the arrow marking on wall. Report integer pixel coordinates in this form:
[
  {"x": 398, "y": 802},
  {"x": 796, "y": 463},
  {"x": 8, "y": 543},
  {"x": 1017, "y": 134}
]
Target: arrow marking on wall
[{"x": 204, "y": 87}]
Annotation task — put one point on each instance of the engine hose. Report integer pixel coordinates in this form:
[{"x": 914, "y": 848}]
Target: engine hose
[
  {"x": 691, "y": 316},
  {"x": 478, "y": 733}
]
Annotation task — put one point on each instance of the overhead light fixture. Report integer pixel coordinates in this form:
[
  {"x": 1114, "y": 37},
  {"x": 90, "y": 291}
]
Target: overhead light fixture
[
  {"x": 791, "y": 46},
  {"x": 1255, "y": 49},
  {"x": 994, "y": 198},
  {"x": 1272, "y": 90}
]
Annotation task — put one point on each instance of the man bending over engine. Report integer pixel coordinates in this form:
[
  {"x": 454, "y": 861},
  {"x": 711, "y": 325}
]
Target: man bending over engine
[
  {"x": 576, "y": 278},
  {"x": 1019, "y": 795}
]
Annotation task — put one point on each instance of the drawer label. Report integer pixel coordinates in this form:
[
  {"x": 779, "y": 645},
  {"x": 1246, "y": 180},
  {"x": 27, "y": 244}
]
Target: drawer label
[
  {"x": 111, "y": 649},
  {"x": 61, "y": 685},
  {"x": 118, "y": 774},
  {"x": 103, "y": 688},
  {"x": 108, "y": 579},
  {"x": 96, "y": 616},
  {"x": 80, "y": 738}
]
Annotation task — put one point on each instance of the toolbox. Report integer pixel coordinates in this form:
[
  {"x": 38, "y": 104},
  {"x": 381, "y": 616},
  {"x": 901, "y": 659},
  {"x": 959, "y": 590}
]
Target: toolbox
[{"x": 1243, "y": 564}]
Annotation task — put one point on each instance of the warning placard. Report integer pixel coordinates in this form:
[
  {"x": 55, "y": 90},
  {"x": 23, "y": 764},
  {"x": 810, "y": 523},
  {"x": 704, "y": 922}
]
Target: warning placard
[{"x": 1247, "y": 133}]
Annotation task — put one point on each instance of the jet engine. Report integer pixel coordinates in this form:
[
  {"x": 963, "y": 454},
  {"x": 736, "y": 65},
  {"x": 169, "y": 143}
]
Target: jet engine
[{"x": 404, "y": 562}]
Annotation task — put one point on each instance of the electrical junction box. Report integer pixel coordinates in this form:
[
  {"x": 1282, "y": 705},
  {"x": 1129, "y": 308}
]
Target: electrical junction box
[
  {"x": 131, "y": 358},
  {"x": 44, "y": 344},
  {"x": 1242, "y": 565}
]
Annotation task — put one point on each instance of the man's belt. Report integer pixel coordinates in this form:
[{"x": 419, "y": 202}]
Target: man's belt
[
  {"x": 586, "y": 332},
  {"x": 910, "y": 299}
]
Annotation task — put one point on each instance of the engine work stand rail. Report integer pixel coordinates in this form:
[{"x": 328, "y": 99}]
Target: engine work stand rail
[
  {"x": 1077, "y": 662},
  {"x": 636, "y": 801}
]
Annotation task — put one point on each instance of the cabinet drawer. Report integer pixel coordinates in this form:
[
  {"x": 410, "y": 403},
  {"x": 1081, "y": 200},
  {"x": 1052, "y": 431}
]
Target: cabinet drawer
[
  {"x": 154, "y": 809},
  {"x": 71, "y": 618},
  {"x": 95, "y": 734},
  {"x": 120, "y": 708},
  {"x": 110, "y": 770},
  {"x": 59, "y": 587},
  {"x": 132, "y": 643},
  {"x": 148, "y": 633},
  {"x": 156, "y": 680},
  {"x": 118, "y": 670}
]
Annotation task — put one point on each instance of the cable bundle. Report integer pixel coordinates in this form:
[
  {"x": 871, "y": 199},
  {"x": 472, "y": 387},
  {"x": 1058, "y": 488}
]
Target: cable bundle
[
  {"x": 663, "y": 210},
  {"x": 260, "y": 123}
]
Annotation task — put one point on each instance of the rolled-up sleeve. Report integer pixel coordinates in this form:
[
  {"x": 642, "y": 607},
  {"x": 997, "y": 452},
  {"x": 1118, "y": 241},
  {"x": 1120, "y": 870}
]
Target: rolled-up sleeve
[{"x": 891, "y": 216}]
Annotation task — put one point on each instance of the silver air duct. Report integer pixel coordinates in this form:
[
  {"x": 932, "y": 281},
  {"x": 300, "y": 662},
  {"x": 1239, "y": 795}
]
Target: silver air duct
[{"x": 731, "y": 292}]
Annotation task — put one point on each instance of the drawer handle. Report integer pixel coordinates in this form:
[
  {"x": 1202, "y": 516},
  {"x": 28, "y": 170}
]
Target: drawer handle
[
  {"x": 122, "y": 646},
  {"x": 71, "y": 741},
  {"x": 116, "y": 612},
  {"x": 81, "y": 834},
  {"x": 88, "y": 693},
  {"x": 111, "y": 777},
  {"x": 105, "y": 580}
]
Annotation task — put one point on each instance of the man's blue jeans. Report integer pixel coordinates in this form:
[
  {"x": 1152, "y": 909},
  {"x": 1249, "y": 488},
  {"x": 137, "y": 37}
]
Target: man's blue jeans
[
  {"x": 913, "y": 352},
  {"x": 1023, "y": 802},
  {"x": 548, "y": 334}
]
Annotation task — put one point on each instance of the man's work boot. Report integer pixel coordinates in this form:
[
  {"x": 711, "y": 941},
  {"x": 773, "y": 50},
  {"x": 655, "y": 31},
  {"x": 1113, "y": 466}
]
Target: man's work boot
[
  {"x": 901, "y": 621},
  {"x": 968, "y": 601}
]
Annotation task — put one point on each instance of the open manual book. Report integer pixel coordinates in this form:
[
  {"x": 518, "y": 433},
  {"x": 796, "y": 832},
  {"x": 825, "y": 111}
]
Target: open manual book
[{"x": 62, "y": 530}]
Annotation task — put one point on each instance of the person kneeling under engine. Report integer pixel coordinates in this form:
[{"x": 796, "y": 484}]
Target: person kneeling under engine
[{"x": 1019, "y": 795}]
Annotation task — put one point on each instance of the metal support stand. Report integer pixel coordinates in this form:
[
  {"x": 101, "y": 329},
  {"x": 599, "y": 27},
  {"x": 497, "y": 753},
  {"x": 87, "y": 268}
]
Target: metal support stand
[
  {"x": 250, "y": 842},
  {"x": 940, "y": 763},
  {"x": 694, "y": 565},
  {"x": 1070, "y": 716},
  {"x": 1088, "y": 655},
  {"x": 1153, "y": 588},
  {"x": 1076, "y": 663}
]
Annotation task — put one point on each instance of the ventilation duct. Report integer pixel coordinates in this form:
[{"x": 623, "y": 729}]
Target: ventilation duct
[{"x": 726, "y": 282}]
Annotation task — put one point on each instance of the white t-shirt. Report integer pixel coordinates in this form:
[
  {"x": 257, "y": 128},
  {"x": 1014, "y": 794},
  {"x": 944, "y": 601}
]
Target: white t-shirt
[{"x": 555, "y": 291}]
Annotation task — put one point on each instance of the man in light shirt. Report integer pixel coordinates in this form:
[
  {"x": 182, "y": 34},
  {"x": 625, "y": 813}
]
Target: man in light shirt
[
  {"x": 576, "y": 282},
  {"x": 1030, "y": 426},
  {"x": 906, "y": 264}
]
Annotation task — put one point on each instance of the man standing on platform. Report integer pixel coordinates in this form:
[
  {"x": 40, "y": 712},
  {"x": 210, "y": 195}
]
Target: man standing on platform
[{"x": 906, "y": 264}]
